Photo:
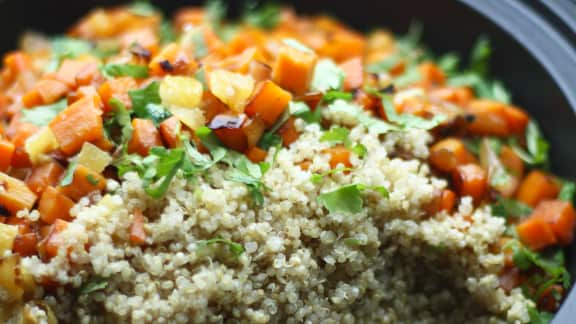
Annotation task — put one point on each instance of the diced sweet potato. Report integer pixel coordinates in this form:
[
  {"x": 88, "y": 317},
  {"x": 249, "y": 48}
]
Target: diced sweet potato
[
  {"x": 54, "y": 205},
  {"x": 85, "y": 181},
  {"x": 293, "y": 69},
  {"x": 560, "y": 216},
  {"x": 144, "y": 137},
  {"x": 536, "y": 233},
  {"x": 536, "y": 187},
  {"x": 47, "y": 174},
  {"x": 269, "y": 103},
  {"x": 15, "y": 194},
  {"x": 470, "y": 180},
  {"x": 449, "y": 153}
]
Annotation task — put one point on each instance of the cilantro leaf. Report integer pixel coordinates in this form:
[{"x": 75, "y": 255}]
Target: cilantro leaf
[
  {"x": 121, "y": 118},
  {"x": 406, "y": 120},
  {"x": 215, "y": 11},
  {"x": 236, "y": 248},
  {"x": 270, "y": 138},
  {"x": 146, "y": 103},
  {"x": 537, "y": 317},
  {"x": 332, "y": 95},
  {"x": 346, "y": 199},
  {"x": 167, "y": 33},
  {"x": 43, "y": 115},
  {"x": 480, "y": 56},
  {"x": 250, "y": 174},
  {"x": 359, "y": 150},
  {"x": 506, "y": 207},
  {"x": 142, "y": 8},
  {"x": 66, "y": 47},
  {"x": 327, "y": 76},
  {"x": 336, "y": 135},
  {"x": 449, "y": 63},
  {"x": 317, "y": 178},
  {"x": 536, "y": 144},
  {"x": 69, "y": 174},
  {"x": 567, "y": 191},
  {"x": 301, "y": 110},
  {"x": 266, "y": 17},
  {"x": 211, "y": 142},
  {"x": 411, "y": 76},
  {"x": 132, "y": 70},
  {"x": 93, "y": 285}
]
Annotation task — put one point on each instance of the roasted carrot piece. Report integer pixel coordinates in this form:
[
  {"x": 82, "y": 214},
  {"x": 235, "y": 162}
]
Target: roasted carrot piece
[
  {"x": 85, "y": 181},
  {"x": 15, "y": 195},
  {"x": 449, "y": 153},
  {"x": 489, "y": 118},
  {"x": 6, "y": 153},
  {"x": 83, "y": 92},
  {"x": 288, "y": 132},
  {"x": 516, "y": 119},
  {"x": 343, "y": 47},
  {"x": 560, "y": 216},
  {"x": 470, "y": 180},
  {"x": 256, "y": 154},
  {"x": 548, "y": 300},
  {"x": 511, "y": 161},
  {"x": 81, "y": 122},
  {"x": 117, "y": 88},
  {"x": 460, "y": 96},
  {"x": 354, "y": 73},
  {"x": 269, "y": 103},
  {"x": 293, "y": 69},
  {"x": 537, "y": 186},
  {"x": 70, "y": 69},
  {"x": 25, "y": 244},
  {"x": 53, "y": 241},
  {"x": 431, "y": 75},
  {"x": 339, "y": 155},
  {"x": 172, "y": 60},
  {"x": 536, "y": 233},
  {"x": 144, "y": 137},
  {"x": 47, "y": 174},
  {"x": 169, "y": 129},
  {"x": 233, "y": 138},
  {"x": 23, "y": 131},
  {"x": 54, "y": 205},
  {"x": 137, "y": 231},
  {"x": 447, "y": 200},
  {"x": 45, "y": 92}
]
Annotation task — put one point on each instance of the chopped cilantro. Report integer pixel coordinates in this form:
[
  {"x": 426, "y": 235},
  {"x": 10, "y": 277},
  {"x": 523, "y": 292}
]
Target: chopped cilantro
[
  {"x": 449, "y": 63},
  {"x": 250, "y": 174},
  {"x": 480, "y": 56},
  {"x": 336, "y": 135},
  {"x": 505, "y": 207},
  {"x": 120, "y": 118},
  {"x": 537, "y": 154},
  {"x": 146, "y": 103},
  {"x": 69, "y": 174},
  {"x": 333, "y": 95},
  {"x": 347, "y": 199},
  {"x": 537, "y": 317},
  {"x": 132, "y": 70},
  {"x": 211, "y": 142},
  {"x": 93, "y": 285},
  {"x": 266, "y": 17},
  {"x": 411, "y": 76},
  {"x": 167, "y": 33},
  {"x": 236, "y": 248},
  {"x": 359, "y": 150},
  {"x": 270, "y": 138},
  {"x": 567, "y": 191},
  {"x": 327, "y": 76},
  {"x": 92, "y": 179},
  {"x": 43, "y": 115},
  {"x": 301, "y": 110},
  {"x": 142, "y": 8},
  {"x": 317, "y": 178}
]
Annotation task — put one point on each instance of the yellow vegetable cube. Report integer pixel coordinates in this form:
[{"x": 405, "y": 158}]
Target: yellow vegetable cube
[
  {"x": 9, "y": 279},
  {"x": 39, "y": 144},
  {"x": 233, "y": 89},
  {"x": 181, "y": 91},
  {"x": 7, "y": 235},
  {"x": 93, "y": 158}
]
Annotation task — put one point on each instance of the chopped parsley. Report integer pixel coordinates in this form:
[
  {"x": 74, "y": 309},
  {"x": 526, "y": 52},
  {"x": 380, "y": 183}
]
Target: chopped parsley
[
  {"x": 250, "y": 174},
  {"x": 336, "y": 135},
  {"x": 333, "y": 95},
  {"x": 93, "y": 285},
  {"x": 146, "y": 103},
  {"x": 69, "y": 174},
  {"x": 131, "y": 70},
  {"x": 510, "y": 208},
  {"x": 92, "y": 179},
  {"x": 537, "y": 154},
  {"x": 43, "y": 115},
  {"x": 236, "y": 248},
  {"x": 120, "y": 119},
  {"x": 327, "y": 76},
  {"x": 317, "y": 178},
  {"x": 265, "y": 17},
  {"x": 348, "y": 199},
  {"x": 567, "y": 191},
  {"x": 301, "y": 110}
]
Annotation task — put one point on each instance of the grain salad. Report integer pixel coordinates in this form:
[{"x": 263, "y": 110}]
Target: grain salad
[{"x": 273, "y": 169}]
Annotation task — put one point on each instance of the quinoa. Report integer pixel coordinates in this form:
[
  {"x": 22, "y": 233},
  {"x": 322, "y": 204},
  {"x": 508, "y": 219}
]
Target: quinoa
[{"x": 390, "y": 263}]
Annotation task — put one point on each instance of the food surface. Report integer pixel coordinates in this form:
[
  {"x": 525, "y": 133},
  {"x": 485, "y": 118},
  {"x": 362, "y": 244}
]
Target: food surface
[{"x": 275, "y": 169}]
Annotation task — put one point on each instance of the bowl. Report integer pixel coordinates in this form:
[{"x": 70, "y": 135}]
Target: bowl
[{"x": 533, "y": 53}]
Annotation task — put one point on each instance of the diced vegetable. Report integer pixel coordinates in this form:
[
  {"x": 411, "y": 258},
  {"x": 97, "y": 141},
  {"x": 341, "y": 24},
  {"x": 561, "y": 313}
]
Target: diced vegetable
[
  {"x": 449, "y": 153},
  {"x": 81, "y": 122},
  {"x": 51, "y": 244},
  {"x": 93, "y": 158},
  {"x": 560, "y": 216},
  {"x": 7, "y": 235},
  {"x": 25, "y": 244},
  {"x": 20, "y": 158},
  {"x": 489, "y": 118},
  {"x": 71, "y": 69},
  {"x": 39, "y": 144},
  {"x": 431, "y": 75},
  {"x": 193, "y": 118},
  {"x": 180, "y": 91},
  {"x": 15, "y": 195},
  {"x": 84, "y": 182},
  {"x": 536, "y": 187},
  {"x": 293, "y": 69},
  {"x": 47, "y": 174},
  {"x": 231, "y": 88},
  {"x": 516, "y": 119},
  {"x": 137, "y": 231},
  {"x": 256, "y": 154},
  {"x": 512, "y": 161},
  {"x": 536, "y": 233},
  {"x": 354, "y": 73},
  {"x": 54, "y": 205},
  {"x": 269, "y": 103},
  {"x": 9, "y": 279},
  {"x": 144, "y": 137},
  {"x": 172, "y": 59},
  {"x": 169, "y": 130},
  {"x": 447, "y": 201},
  {"x": 118, "y": 89},
  {"x": 288, "y": 132},
  {"x": 45, "y": 92},
  {"x": 253, "y": 129},
  {"x": 470, "y": 180},
  {"x": 6, "y": 153},
  {"x": 339, "y": 155}
]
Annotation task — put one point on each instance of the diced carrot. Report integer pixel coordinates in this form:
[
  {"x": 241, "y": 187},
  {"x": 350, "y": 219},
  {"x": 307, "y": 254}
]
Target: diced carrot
[
  {"x": 470, "y": 180},
  {"x": 137, "y": 231},
  {"x": 511, "y": 161},
  {"x": 81, "y": 122},
  {"x": 447, "y": 200},
  {"x": 256, "y": 154},
  {"x": 460, "y": 96},
  {"x": 560, "y": 216},
  {"x": 47, "y": 174},
  {"x": 269, "y": 103},
  {"x": 293, "y": 69},
  {"x": 45, "y": 92},
  {"x": 83, "y": 92},
  {"x": 169, "y": 129},
  {"x": 339, "y": 155},
  {"x": 536, "y": 233},
  {"x": 449, "y": 153},
  {"x": 24, "y": 224},
  {"x": 489, "y": 118},
  {"x": 54, "y": 205},
  {"x": 23, "y": 131},
  {"x": 536, "y": 187},
  {"x": 70, "y": 69},
  {"x": 117, "y": 88},
  {"x": 6, "y": 153},
  {"x": 88, "y": 75},
  {"x": 431, "y": 75},
  {"x": 172, "y": 60},
  {"x": 233, "y": 138},
  {"x": 144, "y": 137},
  {"x": 51, "y": 244},
  {"x": 25, "y": 244},
  {"x": 343, "y": 47},
  {"x": 288, "y": 132},
  {"x": 516, "y": 119},
  {"x": 354, "y": 73},
  {"x": 15, "y": 195},
  {"x": 85, "y": 181}
]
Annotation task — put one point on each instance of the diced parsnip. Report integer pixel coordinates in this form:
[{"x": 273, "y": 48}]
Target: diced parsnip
[
  {"x": 39, "y": 144},
  {"x": 93, "y": 158},
  {"x": 231, "y": 88},
  {"x": 7, "y": 235},
  {"x": 9, "y": 279},
  {"x": 181, "y": 91},
  {"x": 15, "y": 194},
  {"x": 191, "y": 117}
]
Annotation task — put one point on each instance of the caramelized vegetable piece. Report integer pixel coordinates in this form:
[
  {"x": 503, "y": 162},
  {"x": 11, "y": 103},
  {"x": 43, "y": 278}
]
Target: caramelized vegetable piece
[
  {"x": 354, "y": 73},
  {"x": 229, "y": 130},
  {"x": 137, "y": 231},
  {"x": 489, "y": 118},
  {"x": 45, "y": 92},
  {"x": 9, "y": 279},
  {"x": 117, "y": 88},
  {"x": 293, "y": 69},
  {"x": 85, "y": 181},
  {"x": 253, "y": 129},
  {"x": 23, "y": 131},
  {"x": 15, "y": 195},
  {"x": 144, "y": 137},
  {"x": 288, "y": 132},
  {"x": 550, "y": 298},
  {"x": 6, "y": 154},
  {"x": 536, "y": 233},
  {"x": 70, "y": 69},
  {"x": 54, "y": 205},
  {"x": 256, "y": 154},
  {"x": 81, "y": 122},
  {"x": 470, "y": 180},
  {"x": 447, "y": 201},
  {"x": 516, "y": 119},
  {"x": 536, "y": 187},
  {"x": 509, "y": 278},
  {"x": 45, "y": 175},
  {"x": 449, "y": 153},
  {"x": 169, "y": 130},
  {"x": 269, "y": 103},
  {"x": 560, "y": 216},
  {"x": 231, "y": 88},
  {"x": 25, "y": 244},
  {"x": 512, "y": 161},
  {"x": 339, "y": 155},
  {"x": 51, "y": 244},
  {"x": 431, "y": 75},
  {"x": 172, "y": 60}
]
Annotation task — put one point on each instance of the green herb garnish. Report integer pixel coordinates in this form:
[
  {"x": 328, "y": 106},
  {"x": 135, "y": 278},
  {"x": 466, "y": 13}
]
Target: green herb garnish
[
  {"x": 131, "y": 70},
  {"x": 327, "y": 76},
  {"x": 43, "y": 115},
  {"x": 94, "y": 285},
  {"x": 347, "y": 199},
  {"x": 537, "y": 154},
  {"x": 69, "y": 174},
  {"x": 236, "y": 248}
]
